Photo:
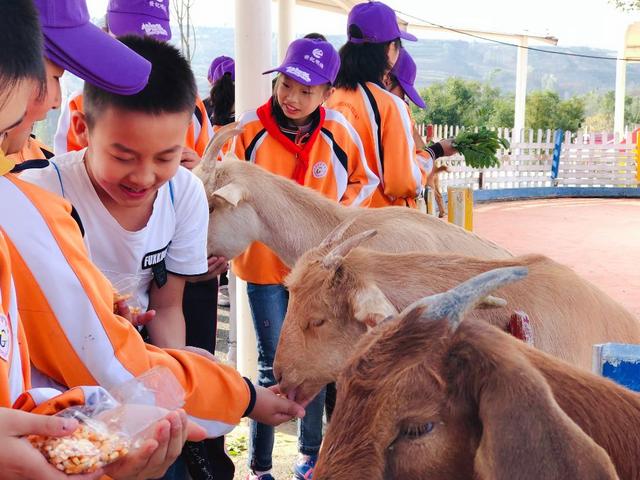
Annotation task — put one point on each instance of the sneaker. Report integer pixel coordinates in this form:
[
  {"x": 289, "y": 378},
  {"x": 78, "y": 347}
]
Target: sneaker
[
  {"x": 262, "y": 476},
  {"x": 223, "y": 296},
  {"x": 303, "y": 469}
]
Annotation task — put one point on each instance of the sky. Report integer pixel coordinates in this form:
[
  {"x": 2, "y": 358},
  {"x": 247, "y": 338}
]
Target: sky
[{"x": 591, "y": 23}]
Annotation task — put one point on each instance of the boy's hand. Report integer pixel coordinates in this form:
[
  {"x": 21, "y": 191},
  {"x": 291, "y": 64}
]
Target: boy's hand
[
  {"x": 157, "y": 454},
  {"x": 215, "y": 266},
  {"x": 272, "y": 409},
  {"x": 18, "y": 459},
  {"x": 190, "y": 159},
  {"x": 137, "y": 319}
]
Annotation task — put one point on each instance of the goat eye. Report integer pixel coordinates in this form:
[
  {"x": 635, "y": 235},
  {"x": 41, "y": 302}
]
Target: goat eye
[
  {"x": 417, "y": 431},
  {"x": 317, "y": 323}
]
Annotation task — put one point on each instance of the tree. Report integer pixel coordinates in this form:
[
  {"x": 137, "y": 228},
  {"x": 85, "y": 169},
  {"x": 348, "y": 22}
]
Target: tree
[
  {"x": 465, "y": 103},
  {"x": 183, "y": 10},
  {"x": 545, "y": 110},
  {"x": 626, "y": 5}
]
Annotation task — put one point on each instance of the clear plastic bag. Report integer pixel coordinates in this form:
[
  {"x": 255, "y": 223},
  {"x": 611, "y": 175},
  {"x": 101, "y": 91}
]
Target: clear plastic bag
[
  {"x": 125, "y": 288},
  {"x": 113, "y": 422}
]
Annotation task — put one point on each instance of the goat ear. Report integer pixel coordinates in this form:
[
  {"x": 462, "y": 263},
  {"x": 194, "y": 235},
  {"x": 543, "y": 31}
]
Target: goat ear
[
  {"x": 335, "y": 256},
  {"x": 525, "y": 433},
  {"x": 232, "y": 193},
  {"x": 371, "y": 307}
]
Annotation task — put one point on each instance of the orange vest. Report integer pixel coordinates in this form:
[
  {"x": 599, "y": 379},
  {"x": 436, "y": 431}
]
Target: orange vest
[
  {"x": 66, "y": 308},
  {"x": 383, "y": 124},
  {"x": 335, "y": 166}
]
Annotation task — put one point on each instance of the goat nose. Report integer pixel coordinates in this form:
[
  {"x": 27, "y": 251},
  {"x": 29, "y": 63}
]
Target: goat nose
[{"x": 278, "y": 377}]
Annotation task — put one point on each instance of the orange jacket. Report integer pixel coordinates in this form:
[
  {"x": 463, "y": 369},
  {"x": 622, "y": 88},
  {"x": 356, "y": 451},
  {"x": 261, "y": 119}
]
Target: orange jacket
[
  {"x": 335, "y": 167},
  {"x": 65, "y": 140},
  {"x": 65, "y": 304},
  {"x": 33, "y": 149},
  {"x": 14, "y": 356},
  {"x": 382, "y": 121}
]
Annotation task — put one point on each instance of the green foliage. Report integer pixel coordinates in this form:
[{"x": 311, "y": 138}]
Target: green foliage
[
  {"x": 237, "y": 445},
  {"x": 626, "y": 5},
  {"x": 545, "y": 110},
  {"x": 464, "y": 102},
  {"x": 475, "y": 104},
  {"x": 479, "y": 148}
]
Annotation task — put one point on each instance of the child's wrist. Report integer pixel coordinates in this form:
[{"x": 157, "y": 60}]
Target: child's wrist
[{"x": 252, "y": 398}]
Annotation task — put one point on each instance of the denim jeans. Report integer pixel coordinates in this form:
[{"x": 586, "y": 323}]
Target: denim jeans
[{"x": 268, "y": 309}]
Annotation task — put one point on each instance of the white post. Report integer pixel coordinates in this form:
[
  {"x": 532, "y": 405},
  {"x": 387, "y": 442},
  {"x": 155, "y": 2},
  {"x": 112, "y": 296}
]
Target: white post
[
  {"x": 521, "y": 88},
  {"x": 253, "y": 56},
  {"x": 286, "y": 35},
  {"x": 621, "y": 82}
]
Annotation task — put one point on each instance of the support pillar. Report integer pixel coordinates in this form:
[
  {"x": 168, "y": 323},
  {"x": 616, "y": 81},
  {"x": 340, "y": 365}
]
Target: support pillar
[
  {"x": 521, "y": 88},
  {"x": 252, "y": 57}
]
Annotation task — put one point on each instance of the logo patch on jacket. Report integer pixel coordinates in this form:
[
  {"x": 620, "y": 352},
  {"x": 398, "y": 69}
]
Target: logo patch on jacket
[
  {"x": 155, "y": 261},
  {"x": 320, "y": 169},
  {"x": 5, "y": 338}
]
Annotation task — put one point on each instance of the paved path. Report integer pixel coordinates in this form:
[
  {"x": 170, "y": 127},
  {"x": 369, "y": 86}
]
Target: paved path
[{"x": 598, "y": 238}]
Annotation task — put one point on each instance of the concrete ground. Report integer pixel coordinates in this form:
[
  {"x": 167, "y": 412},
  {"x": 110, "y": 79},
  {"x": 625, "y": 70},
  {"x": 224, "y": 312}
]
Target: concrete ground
[{"x": 598, "y": 238}]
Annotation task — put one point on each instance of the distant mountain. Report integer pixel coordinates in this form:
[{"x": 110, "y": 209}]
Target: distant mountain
[{"x": 440, "y": 59}]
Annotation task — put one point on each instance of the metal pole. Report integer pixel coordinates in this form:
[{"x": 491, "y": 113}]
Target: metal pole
[
  {"x": 621, "y": 85},
  {"x": 253, "y": 56},
  {"x": 521, "y": 89}
]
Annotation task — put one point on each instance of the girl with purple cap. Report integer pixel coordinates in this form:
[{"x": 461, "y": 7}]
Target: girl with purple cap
[
  {"x": 380, "y": 118},
  {"x": 294, "y": 136},
  {"x": 400, "y": 82}
]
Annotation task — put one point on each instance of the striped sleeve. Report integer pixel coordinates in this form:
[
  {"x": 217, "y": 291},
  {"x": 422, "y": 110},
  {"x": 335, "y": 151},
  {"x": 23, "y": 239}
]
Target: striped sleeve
[
  {"x": 74, "y": 337},
  {"x": 402, "y": 176},
  {"x": 203, "y": 131},
  {"x": 361, "y": 181}
]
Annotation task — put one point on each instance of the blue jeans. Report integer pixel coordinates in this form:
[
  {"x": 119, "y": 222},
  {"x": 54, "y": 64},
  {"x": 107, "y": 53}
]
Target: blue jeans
[{"x": 268, "y": 309}]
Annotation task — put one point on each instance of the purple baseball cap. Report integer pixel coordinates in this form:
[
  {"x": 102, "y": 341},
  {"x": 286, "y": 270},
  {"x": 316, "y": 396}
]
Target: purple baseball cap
[
  {"x": 75, "y": 44},
  {"x": 148, "y": 18},
  {"x": 405, "y": 72},
  {"x": 310, "y": 62},
  {"x": 376, "y": 22},
  {"x": 212, "y": 68},
  {"x": 227, "y": 66}
]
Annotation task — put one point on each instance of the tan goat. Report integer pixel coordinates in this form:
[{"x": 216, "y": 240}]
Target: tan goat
[
  {"x": 432, "y": 397},
  {"x": 248, "y": 203},
  {"x": 337, "y": 290}
]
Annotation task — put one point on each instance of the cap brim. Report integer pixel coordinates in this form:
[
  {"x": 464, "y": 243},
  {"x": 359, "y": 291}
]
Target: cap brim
[
  {"x": 407, "y": 36},
  {"x": 300, "y": 74},
  {"x": 412, "y": 93},
  {"x": 91, "y": 54},
  {"x": 137, "y": 24}
]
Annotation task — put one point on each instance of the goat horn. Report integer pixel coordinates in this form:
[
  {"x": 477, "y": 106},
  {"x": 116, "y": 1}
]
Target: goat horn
[
  {"x": 336, "y": 255},
  {"x": 217, "y": 142},
  {"x": 337, "y": 233},
  {"x": 454, "y": 303}
]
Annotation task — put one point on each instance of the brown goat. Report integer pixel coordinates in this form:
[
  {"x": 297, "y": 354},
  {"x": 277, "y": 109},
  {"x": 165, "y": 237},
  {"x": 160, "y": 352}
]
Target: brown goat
[
  {"x": 337, "y": 291},
  {"x": 428, "y": 396},
  {"x": 248, "y": 203}
]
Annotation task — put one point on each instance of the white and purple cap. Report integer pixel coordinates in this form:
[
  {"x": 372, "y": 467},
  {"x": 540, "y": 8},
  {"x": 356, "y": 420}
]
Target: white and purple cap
[
  {"x": 224, "y": 67},
  {"x": 405, "y": 72},
  {"x": 72, "y": 42},
  {"x": 148, "y": 18},
  {"x": 310, "y": 62},
  {"x": 374, "y": 22},
  {"x": 214, "y": 64}
]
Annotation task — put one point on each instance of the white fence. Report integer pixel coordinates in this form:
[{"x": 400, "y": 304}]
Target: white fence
[{"x": 583, "y": 162}]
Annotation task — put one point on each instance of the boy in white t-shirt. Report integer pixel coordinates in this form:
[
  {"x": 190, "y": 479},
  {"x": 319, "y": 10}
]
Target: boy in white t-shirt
[{"x": 144, "y": 216}]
